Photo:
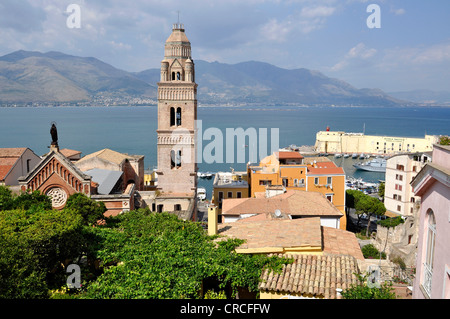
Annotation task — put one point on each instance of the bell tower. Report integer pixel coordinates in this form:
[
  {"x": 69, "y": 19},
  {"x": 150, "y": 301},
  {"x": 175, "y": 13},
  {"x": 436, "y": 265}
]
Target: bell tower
[{"x": 177, "y": 113}]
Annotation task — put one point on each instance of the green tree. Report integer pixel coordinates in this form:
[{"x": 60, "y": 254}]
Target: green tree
[
  {"x": 6, "y": 198},
  {"x": 32, "y": 200},
  {"x": 381, "y": 189},
  {"x": 34, "y": 244},
  {"x": 369, "y": 206},
  {"x": 444, "y": 140},
  {"x": 363, "y": 291},
  {"x": 157, "y": 255},
  {"x": 89, "y": 209},
  {"x": 351, "y": 198}
]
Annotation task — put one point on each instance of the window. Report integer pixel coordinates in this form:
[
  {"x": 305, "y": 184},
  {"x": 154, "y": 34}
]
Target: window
[
  {"x": 330, "y": 198},
  {"x": 429, "y": 253},
  {"x": 160, "y": 208},
  {"x": 239, "y": 195},
  {"x": 329, "y": 180},
  {"x": 399, "y": 208},
  {"x": 230, "y": 195},
  {"x": 285, "y": 182},
  {"x": 178, "y": 76},
  {"x": 179, "y": 116},
  {"x": 316, "y": 181},
  {"x": 172, "y": 116},
  {"x": 296, "y": 182},
  {"x": 172, "y": 159},
  {"x": 400, "y": 167},
  {"x": 177, "y": 207},
  {"x": 175, "y": 159},
  {"x": 220, "y": 199},
  {"x": 153, "y": 207},
  {"x": 265, "y": 182},
  {"x": 28, "y": 165}
]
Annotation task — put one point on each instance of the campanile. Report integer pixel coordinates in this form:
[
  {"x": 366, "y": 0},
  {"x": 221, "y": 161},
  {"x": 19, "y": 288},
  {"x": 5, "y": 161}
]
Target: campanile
[{"x": 177, "y": 113}]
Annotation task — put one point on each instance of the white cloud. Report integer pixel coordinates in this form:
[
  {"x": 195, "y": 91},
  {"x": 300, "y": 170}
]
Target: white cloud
[
  {"x": 317, "y": 12},
  {"x": 398, "y": 12},
  {"x": 357, "y": 53}
]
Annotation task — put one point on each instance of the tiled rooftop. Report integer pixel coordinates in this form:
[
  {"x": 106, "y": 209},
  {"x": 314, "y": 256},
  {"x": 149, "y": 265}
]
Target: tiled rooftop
[
  {"x": 293, "y": 202},
  {"x": 275, "y": 235},
  {"x": 312, "y": 275}
]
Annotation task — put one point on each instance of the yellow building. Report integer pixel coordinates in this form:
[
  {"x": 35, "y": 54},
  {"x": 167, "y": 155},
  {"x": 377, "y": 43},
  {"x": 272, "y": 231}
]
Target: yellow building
[
  {"x": 229, "y": 185},
  {"x": 342, "y": 142},
  {"x": 294, "y": 172}
]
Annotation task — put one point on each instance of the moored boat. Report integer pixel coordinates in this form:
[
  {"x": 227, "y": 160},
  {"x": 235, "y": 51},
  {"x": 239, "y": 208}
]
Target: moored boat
[{"x": 375, "y": 165}]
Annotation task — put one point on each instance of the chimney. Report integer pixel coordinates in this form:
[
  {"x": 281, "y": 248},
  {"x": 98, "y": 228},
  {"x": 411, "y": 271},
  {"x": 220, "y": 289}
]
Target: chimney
[{"x": 212, "y": 220}]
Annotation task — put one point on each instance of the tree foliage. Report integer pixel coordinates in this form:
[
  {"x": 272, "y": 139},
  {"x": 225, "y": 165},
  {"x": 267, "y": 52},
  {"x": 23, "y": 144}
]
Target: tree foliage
[
  {"x": 444, "y": 140},
  {"x": 26, "y": 200},
  {"x": 34, "y": 244},
  {"x": 364, "y": 204},
  {"x": 363, "y": 291},
  {"x": 89, "y": 209},
  {"x": 157, "y": 255}
]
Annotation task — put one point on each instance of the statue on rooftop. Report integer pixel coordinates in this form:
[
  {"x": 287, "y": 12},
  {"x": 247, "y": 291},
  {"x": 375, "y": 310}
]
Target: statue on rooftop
[{"x": 54, "y": 134}]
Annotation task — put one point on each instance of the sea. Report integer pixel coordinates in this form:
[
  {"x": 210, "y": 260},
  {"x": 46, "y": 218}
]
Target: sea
[{"x": 132, "y": 130}]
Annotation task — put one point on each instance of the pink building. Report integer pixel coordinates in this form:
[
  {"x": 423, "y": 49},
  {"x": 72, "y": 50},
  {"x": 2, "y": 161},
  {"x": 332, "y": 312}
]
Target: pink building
[{"x": 432, "y": 184}]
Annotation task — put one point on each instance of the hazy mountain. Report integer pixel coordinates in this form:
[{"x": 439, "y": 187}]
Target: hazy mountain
[
  {"x": 266, "y": 84},
  {"x": 56, "y": 77},
  {"x": 424, "y": 96}
]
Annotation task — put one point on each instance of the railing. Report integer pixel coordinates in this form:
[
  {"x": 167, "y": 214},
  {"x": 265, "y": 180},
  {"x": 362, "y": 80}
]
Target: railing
[{"x": 428, "y": 274}]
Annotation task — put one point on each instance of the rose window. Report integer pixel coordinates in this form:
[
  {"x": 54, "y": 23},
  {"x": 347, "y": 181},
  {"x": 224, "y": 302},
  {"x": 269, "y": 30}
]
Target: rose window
[{"x": 58, "y": 196}]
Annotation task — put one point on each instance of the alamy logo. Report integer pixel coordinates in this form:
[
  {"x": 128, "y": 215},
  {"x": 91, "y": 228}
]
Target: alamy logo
[
  {"x": 74, "y": 19},
  {"x": 374, "y": 20},
  {"x": 239, "y": 145},
  {"x": 74, "y": 280}
]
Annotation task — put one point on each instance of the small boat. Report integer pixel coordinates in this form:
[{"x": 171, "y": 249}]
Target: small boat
[
  {"x": 338, "y": 155},
  {"x": 375, "y": 165},
  {"x": 201, "y": 193},
  {"x": 354, "y": 155},
  {"x": 346, "y": 155},
  {"x": 361, "y": 156}
]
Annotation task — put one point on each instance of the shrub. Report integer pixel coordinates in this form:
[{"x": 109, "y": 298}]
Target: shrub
[{"x": 371, "y": 252}]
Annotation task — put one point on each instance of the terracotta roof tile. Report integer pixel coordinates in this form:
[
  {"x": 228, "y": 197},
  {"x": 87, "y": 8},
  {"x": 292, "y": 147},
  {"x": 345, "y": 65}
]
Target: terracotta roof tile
[
  {"x": 292, "y": 202},
  {"x": 342, "y": 242},
  {"x": 286, "y": 155},
  {"x": 314, "y": 275},
  {"x": 12, "y": 152},
  {"x": 270, "y": 234}
]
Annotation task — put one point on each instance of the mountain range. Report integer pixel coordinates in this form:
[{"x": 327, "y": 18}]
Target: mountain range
[{"x": 55, "y": 77}]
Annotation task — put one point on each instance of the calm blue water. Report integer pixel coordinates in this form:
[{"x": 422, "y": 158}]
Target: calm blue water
[{"x": 133, "y": 129}]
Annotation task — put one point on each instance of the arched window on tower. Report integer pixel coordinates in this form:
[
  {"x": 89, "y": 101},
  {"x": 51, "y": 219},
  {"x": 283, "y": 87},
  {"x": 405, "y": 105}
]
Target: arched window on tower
[
  {"x": 173, "y": 76},
  {"x": 179, "y": 116},
  {"x": 172, "y": 159},
  {"x": 172, "y": 116},
  {"x": 178, "y": 76}
]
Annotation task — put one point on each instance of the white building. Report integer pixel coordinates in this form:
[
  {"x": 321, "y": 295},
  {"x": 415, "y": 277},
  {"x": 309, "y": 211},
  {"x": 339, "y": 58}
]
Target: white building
[{"x": 400, "y": 170}]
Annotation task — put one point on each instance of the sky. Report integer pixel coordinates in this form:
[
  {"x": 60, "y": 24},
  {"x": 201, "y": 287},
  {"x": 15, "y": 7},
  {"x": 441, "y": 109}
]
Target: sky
[{"x": 409, "y": 49}]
